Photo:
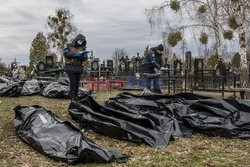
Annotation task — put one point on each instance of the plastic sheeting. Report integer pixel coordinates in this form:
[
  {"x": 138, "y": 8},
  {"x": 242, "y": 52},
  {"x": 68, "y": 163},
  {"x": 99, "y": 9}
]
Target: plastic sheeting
[
  {"x": 31, "y": 87},
  {"x": 5, "y": 80},
  {"x": 64, "y": 81},
  {"x": 156, "y": 119},
  {"x": 59, "y": 140},
  {"x": 22, "y": 88},
  {"x": 11, "y": 90},
  {"x": 59, "y": 89},
  {"x": 56, "y": 90}
]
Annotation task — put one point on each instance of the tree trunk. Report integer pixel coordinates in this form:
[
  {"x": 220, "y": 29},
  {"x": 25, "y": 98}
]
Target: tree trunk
[
  {"x": 243, "y": 56},
  {"x": 218, "y": 51},
  {"x": 243, "y": 46},
  {"x": 217, "y": 31},
  {"x": 62, "y": 61},
  {"x": 239, "y": 13}
]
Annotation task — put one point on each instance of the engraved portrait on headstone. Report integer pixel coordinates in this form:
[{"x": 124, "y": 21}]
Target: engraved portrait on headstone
[
  {"x": 95, "y": 65},
  {"x": 123, "y": 66},
  {"x": 131, "y": 66},
  {"x": 49, "y": 61},
  {"x": 177, "y": 66},
  {"x": 198, "y": 68},
  {"x": 220, "y": 69},
  {"x": 110, "y": 65}
]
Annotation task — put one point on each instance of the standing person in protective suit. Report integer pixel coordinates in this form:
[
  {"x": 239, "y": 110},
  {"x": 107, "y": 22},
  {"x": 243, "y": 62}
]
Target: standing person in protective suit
[
  {"x": 75, "y": 54},
  {"x": 151, "y": 61}
]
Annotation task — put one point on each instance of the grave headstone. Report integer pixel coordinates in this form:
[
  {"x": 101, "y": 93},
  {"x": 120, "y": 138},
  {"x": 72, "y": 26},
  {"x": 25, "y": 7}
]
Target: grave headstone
[
  {"x": 103, "y": 71},
  {"x": 138, "y": 62},
  {"x": 220, "y": 69},
  {"x": 177, "y": 67},
  {"x": 165, "y": 62},
  {"x": 110, "y": 65},
  {"x": 127, "y": 62},
  {"x": 94, "y": 66},
  {"x": 198, "y": 69},
  {"x": 130, "y": 70},
  {"x": 103, "y": 68},
  {"x": 49, "y": 61},
  {"x": 188, "y": 61},
  {"x": 122, "y": 66}
]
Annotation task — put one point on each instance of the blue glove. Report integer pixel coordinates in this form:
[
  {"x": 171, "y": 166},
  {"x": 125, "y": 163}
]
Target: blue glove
[
  {"x": 82, "y": 55},
  {"x": 85, "y": 52},
  {"x": 78, "y": 54}
]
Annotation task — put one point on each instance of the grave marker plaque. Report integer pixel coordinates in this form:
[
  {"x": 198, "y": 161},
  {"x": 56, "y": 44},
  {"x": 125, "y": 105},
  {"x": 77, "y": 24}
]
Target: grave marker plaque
[
  {"x": 94, "y": 68},
  {"x": 95, "y": 65},
  {"x": 127, "y": 62},
  {"x": 220, "y": 69},
  {"x": 110, "y": 65},
  {"x": 130, "y": 69},
  {"x": 188, "y": 61},
  {"x": 103, "y": 70},
  {"x": 122, "y": 64},
  {"x": 49, "y": 61},
  {"x": 138, "y": 62},
  {"x": 177, "y": 67},
  {"x": 198, "y": 68}
]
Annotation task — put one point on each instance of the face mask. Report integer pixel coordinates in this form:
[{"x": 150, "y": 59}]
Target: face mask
[
  {"x": 79, "y": 42},
  {"x": 160, "y": 52}
]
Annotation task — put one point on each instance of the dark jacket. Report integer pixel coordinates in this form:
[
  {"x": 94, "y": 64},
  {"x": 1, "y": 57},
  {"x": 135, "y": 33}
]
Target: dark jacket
[
  {"x": 151, "y": 61},
  {"x": 73, "y": 64}
]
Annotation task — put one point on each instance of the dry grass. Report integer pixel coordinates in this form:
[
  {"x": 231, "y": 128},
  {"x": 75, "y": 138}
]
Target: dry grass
[{"x": 198, "y": 150}]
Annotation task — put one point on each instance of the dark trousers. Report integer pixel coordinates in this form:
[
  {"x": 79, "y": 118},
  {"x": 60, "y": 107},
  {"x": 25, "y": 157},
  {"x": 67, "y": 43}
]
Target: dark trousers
[
  {"x": 74, "y": 84},
  {"x": 156, "y": 85},
  {"x": 155, "y": 78}
]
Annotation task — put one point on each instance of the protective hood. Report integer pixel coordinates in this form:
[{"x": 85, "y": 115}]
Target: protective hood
[{"x": 79, "y": 37}]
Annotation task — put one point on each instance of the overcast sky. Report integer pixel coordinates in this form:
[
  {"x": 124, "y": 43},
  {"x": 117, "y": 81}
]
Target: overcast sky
[{"x": 107, "y": 24}]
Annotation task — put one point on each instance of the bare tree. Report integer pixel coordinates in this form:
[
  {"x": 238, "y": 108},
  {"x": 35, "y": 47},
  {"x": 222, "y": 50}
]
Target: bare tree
[
  {"x": 238, "y": 19},
  {"x": 62, "y": 29},
  {"x": 117, "y": 55},
  {"x": 240, "y": 12},
  {"x": 206, "y": 16},
  {"x": 222, "y": 18}
]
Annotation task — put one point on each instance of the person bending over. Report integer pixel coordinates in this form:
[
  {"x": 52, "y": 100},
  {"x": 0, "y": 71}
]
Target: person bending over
[{"x": 152, "y": 61}]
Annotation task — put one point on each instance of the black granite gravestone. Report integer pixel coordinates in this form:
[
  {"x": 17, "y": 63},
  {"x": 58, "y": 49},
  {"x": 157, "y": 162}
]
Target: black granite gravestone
[
  {"x": 188, "y": 61},
  {"x": 177, "y": 67},
  {"x": 49, "y": 61},
  {"x": 94, "y": 67},
  {"x": 110, "y": 65},
  {"x": 198, "y": 69}
]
